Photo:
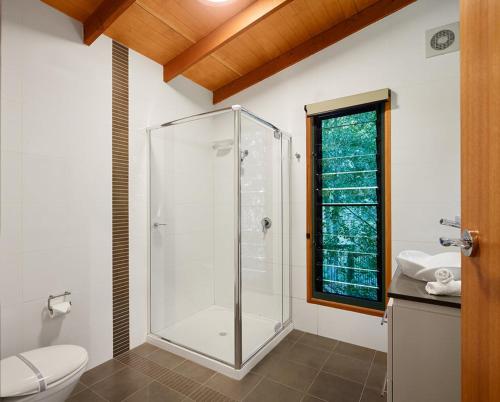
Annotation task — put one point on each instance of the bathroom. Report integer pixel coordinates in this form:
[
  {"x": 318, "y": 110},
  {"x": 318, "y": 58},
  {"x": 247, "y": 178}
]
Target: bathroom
[{"x": 167, "y": 186}]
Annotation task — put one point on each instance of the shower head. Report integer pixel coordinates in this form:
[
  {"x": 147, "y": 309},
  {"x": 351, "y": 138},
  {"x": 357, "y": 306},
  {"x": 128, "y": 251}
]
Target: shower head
[
  {"x": 222, "y": 147},
  {"x": 222, "y": 144}
]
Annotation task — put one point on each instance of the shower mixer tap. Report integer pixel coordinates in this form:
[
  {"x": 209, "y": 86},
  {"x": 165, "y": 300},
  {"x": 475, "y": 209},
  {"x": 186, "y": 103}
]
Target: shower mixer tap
[{"x": 266, "y": 224}]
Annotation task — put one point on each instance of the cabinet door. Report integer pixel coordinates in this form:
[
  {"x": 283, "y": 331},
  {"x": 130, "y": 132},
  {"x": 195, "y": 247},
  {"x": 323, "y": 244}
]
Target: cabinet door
[
  {"x": 389, "y": 349},
  {"x": 425, "y": 353}
]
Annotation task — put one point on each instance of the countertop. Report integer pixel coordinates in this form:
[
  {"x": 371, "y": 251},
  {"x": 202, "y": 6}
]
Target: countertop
[{"x": 406, "y": 288}]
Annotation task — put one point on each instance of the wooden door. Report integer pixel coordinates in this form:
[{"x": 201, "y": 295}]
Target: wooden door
[{"x": 480, "y": 131}]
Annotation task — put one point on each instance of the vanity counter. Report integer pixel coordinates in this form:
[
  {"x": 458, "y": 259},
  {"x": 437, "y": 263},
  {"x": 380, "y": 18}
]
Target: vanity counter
[{"x": 406, "y": 288}]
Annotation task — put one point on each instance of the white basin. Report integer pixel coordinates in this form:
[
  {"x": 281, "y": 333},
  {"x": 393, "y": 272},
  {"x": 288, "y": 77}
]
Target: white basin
[{"x": 421, "y": 266}]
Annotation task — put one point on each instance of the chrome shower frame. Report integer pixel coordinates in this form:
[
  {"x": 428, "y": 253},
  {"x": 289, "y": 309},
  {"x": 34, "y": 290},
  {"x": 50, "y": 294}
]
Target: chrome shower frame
[{"x": 238, "y": 333}]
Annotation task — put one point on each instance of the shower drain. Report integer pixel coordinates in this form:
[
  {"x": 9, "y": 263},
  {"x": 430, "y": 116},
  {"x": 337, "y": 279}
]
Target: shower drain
[{"x": 222, "y": 333}]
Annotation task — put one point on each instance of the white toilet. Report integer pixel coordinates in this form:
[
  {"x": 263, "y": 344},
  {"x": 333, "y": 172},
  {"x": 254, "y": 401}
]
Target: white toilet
[{"x": 45, "y": 374}]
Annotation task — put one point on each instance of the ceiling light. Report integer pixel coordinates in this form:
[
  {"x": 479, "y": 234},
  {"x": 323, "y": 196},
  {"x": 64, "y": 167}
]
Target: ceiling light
[{"x": 215, "y": 2}]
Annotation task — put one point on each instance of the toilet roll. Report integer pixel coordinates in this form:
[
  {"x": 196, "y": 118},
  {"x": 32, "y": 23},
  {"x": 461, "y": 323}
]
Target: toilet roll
[{"x": 60, "y": 309}]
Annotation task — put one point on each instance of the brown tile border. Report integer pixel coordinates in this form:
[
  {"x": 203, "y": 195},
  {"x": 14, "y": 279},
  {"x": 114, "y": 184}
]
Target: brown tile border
[{"x": 120, "y": 162}]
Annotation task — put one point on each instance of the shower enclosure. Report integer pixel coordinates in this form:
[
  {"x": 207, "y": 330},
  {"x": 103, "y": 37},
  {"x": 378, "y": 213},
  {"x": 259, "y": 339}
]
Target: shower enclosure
[{"x": 219, "y": 238}]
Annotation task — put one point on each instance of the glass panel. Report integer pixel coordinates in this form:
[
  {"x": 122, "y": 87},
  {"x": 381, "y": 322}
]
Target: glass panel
[
  {"x": 261, "y": 248},
  {"x": 286, "y": 159},
  {"x": 347, "y": 197},
  {"x": 192, "y": 250}
]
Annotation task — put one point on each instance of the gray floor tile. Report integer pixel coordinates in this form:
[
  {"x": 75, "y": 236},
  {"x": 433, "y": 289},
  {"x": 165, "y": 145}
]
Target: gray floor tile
[
  {"x": 312, "y": 357},
  {"x": 310, "y": 398},
  {"x": 265, "y": 365},
  {"x": 318, "y": 341},
  {"x": 332, "y": 388},
  {"x": 292, "y": 374},
  {"x": 370, "y": 395},
  {"x": 194, "y": 371},
  {"x": 294, "y": 335},
  {"x": 348, "y": 367},
  {"x": 121, "y": 384},
  {"x": 358, "y": 352},
  {"x": 269, "y": 391},
  {"x": 165, "y": 359},
  {"x": 86, "y": 395},
  {"x": 144, "y": 349},
  {"x": 282, "y": 349},
  {"x": 381, "y": 358},
  {"x": 78, "y": 388},
  {"x": 232, "y": 388},
  {"x": 100, "y": 372},
  {"x": 376, "y": 376},
  {"x": 155, "y": 392}
]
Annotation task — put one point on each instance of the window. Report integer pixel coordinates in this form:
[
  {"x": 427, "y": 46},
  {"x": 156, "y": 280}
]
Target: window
[{"x": 348, "y": 216}]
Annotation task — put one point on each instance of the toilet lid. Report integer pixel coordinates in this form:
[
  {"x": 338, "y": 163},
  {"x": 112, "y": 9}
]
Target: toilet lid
[{"x": 35, "y": 371}]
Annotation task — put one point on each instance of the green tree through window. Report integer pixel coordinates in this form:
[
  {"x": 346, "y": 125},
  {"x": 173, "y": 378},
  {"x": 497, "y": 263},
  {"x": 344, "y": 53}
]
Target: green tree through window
[{"x": 348, "y": 260}]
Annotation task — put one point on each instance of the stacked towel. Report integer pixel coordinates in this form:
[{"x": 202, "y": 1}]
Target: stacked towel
[{"x": 445, "y": 284}]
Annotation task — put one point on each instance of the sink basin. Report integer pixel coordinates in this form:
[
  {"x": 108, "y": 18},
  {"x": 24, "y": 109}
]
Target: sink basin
[{"x": 421, "y": 266}]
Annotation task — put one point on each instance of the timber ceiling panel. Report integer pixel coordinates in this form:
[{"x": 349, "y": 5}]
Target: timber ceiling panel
[
  {"x": 229, "y": 47},
  {"x": 78, "y": 9},
  {"x": 192, "y": 19},
  {"x": 277, "y": 34},
  {"x": 142, "y": 31}
]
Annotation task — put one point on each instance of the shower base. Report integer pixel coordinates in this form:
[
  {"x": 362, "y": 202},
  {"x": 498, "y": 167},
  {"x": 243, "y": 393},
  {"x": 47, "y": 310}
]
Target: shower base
[{"x": 207, "y": 338}]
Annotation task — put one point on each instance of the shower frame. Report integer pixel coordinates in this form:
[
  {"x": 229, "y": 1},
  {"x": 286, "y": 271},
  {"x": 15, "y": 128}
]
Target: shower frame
[{"x": 287, "y": 325}]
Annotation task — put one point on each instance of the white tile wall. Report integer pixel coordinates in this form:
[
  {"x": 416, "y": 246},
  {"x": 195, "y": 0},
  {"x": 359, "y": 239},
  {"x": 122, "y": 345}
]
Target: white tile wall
[
  {"x": 425, "y": 139},
  {"x": 55, "y": 231},
  {"x": 56, "y": 163},
  {"x": 153, "y": 102}
]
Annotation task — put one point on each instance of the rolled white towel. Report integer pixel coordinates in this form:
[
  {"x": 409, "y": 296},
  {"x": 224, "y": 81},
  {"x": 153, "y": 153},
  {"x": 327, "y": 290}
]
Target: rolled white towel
[
  {"x": 445, "y": 285},
  {"x": 444, "y": 275}
]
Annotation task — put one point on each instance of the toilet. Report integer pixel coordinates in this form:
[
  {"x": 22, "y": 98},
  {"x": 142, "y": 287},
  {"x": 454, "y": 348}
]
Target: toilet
[{"x": 44, "y": 374}]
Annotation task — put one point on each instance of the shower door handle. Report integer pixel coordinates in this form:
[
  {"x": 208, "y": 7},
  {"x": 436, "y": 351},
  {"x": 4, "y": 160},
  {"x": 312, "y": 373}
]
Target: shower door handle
[{"x": 266, "y": 224}]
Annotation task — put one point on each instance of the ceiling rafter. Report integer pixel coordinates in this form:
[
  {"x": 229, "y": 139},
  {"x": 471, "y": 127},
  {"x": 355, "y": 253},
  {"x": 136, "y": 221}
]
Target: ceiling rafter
[
  {"x": 221, "y": 35},
  {"x": 102, "y": 18},
  {"x": 368, "y": 16}
]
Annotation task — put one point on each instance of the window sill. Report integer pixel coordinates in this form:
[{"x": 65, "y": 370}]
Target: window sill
[{"x": 348, "y": 307}]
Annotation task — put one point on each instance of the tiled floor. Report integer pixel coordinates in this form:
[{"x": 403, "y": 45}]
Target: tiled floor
[{"x": 303, "y": 367}]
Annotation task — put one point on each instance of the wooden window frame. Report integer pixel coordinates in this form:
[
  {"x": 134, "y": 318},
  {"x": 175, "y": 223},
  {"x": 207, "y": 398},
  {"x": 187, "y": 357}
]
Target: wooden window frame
[{"x": 387, "y": 217}]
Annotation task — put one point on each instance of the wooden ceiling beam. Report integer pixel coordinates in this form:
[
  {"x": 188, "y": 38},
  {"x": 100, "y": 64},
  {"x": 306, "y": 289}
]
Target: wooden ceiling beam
[
  {"x": 101, "y": 19},
  {"x": 368, "y": 16},
  {"x": 221, "y": 35}
]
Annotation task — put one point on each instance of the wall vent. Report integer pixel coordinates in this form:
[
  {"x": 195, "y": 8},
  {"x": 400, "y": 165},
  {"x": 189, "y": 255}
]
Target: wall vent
[{"x": 441, "y": 40}]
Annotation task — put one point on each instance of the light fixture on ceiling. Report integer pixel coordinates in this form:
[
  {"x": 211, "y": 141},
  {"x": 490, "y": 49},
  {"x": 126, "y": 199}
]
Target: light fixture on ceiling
[{"x": 215, "y": 2}]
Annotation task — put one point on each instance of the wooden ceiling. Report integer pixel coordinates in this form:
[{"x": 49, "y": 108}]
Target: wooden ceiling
[{"x": 230, "y": 46}]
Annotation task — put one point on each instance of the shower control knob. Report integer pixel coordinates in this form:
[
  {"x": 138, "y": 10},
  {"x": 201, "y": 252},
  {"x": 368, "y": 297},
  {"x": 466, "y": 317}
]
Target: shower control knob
[
  {"x": 266, "y": 224},
  {"x": 157, "y": 225}
]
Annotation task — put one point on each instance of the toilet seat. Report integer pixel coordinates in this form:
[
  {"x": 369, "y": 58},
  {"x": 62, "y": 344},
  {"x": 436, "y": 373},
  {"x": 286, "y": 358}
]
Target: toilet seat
[{"x": 39, "y": 369}]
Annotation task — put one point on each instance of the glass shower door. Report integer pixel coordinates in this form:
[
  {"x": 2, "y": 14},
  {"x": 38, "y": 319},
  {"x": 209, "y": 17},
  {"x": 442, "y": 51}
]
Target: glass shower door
[
  {"x": 192, "y": 216},
  {"x": 261, "y": 235}
]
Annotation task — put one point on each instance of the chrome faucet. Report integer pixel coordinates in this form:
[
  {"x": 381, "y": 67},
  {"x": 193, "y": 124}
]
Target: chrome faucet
[
  {"x": 446, "y": 242},
  {"x": 448, "y": 222},
  {"x": 466, "y": 243}
]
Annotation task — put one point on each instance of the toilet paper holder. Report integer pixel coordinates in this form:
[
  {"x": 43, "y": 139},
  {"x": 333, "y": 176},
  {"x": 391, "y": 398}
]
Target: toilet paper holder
[{"x": 51, "y": 297}]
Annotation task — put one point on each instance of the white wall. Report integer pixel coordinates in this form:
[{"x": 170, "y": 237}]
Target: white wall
[
  {"x": 153, "y": 102},
  {"x": 425, "y": 139},
  {"x": 55, "y": 229}
]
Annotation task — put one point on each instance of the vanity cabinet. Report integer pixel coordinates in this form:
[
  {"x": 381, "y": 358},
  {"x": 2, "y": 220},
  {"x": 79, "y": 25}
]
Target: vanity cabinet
[{"x": 423, "y": 352}]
